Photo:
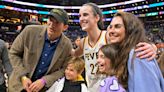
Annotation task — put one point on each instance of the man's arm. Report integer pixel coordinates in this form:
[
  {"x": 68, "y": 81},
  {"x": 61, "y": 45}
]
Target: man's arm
[
  {"x": 16, "y": 54},
  {"x": 53, "y": 76}
]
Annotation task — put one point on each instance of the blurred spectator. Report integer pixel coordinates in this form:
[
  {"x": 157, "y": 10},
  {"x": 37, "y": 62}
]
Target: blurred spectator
[
  {"x": 22, "y": 26},
  {"x": 73, "y": 34},
  {"x": 4, "y": 63},
  {"x": 7, "y": 45}
]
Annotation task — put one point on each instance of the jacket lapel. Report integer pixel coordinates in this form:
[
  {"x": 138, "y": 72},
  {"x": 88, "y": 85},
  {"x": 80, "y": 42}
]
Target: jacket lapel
[
  {"x": 58, "y": 52},
  {"x": 39, "y": 46}
]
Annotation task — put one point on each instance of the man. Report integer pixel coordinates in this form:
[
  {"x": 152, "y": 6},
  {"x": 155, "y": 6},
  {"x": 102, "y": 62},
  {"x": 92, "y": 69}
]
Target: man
[
  {"x": 38, "y": 54},
  {"x": 4, "y": 62}
]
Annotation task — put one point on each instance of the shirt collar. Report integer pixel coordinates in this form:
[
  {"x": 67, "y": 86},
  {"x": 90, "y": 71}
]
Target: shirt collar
[{"x": 54, "y": 41}]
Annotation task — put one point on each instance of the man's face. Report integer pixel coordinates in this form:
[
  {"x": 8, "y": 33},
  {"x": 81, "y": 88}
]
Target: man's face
[{"x": 55, "y": 28}]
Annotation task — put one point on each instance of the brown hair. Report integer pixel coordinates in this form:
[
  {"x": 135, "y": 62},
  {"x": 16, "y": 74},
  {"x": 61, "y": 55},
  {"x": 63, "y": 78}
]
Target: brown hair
[
  {"x": 78, "y": 63},
  {"x": 134, "y": 33}
]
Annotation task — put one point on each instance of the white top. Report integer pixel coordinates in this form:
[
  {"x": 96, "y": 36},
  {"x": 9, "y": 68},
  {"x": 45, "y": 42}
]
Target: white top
[{"x": 90, "y": 57}]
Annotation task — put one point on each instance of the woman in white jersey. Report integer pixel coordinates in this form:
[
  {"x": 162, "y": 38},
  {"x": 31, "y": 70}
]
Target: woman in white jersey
[{"x": 90, "y": 17}]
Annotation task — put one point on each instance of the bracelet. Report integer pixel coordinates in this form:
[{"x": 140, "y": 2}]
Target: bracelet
[
  {"x": 24, "y": 78},
  {"x": 43, "y": 81}
]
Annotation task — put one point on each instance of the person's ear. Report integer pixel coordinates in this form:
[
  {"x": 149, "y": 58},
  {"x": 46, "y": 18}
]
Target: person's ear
[
  {"x": 97, "y": 17},
  {"x": 65, "y": 27},
  {"x": 81, "y": 72}
]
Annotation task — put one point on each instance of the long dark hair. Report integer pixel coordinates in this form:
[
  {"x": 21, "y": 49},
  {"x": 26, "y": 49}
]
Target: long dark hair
[
  {"x": 97, "y": 11},
  {"x": 134, "y": 33}
]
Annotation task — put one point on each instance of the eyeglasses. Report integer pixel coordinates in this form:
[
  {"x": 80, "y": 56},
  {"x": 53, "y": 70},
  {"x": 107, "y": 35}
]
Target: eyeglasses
[{"x": 116, "y": 26}]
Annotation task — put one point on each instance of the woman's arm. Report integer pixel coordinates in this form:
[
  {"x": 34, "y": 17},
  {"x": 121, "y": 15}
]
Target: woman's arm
[{"x": 146, "y": 50}]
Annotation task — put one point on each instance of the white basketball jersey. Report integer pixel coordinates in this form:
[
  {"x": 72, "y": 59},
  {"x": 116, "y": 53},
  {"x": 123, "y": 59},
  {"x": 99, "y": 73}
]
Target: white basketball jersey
[{"x": 90, "y": 57}]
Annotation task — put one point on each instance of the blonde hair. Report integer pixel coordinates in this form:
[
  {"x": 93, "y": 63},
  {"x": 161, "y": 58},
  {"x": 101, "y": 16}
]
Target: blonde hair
[{"x": 78, "y": 63}]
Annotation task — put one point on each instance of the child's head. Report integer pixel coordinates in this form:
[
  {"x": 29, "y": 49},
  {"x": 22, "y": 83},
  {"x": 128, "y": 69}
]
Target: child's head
[
  {"x": 106, "y": 59},
  {"x": 74, "y": 68}
]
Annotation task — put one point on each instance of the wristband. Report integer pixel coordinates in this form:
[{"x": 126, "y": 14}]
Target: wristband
[{"x": 43, "y": 81}]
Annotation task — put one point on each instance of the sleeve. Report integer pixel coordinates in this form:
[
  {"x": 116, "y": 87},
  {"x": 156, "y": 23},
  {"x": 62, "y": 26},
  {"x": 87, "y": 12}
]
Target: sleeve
[
  {"x": 144, "y": 75},
  {"x": 6, "y": 61},
  {"x": 53, "y": 87},
  {"x": 111, "y": 84},
  {"x": 57, "y": 86},
  {"x": 16, "y": 54}
]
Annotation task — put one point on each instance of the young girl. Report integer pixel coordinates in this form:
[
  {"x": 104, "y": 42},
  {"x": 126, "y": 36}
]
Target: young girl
[
  {"x": 106, "y": 64},
  {"x": 73, "y": 81}
]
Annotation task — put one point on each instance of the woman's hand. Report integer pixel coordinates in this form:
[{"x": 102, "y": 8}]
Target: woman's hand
[{"x": 146, "y": 50}]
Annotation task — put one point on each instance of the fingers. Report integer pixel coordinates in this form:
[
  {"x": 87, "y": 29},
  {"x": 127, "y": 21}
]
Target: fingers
[
  {"x": 145, "y": 50},
  {"x": 36, "y": 86},
  {"x": 144, "y": 53},
  {"x": 142, "y": 46},
  {"x": 151, "y": 58},
  {"x": 26, "y": 83},
  {"x": 33, "y": 87},
  {"x": 27, "y": 89}
]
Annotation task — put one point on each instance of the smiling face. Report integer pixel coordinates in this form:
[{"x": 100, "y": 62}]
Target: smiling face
[
  {"x": 71, "y": 73},
  {"x": 55, "y": 28},
  {"x": 116, "y": 30},
  {"x": 103, "y": 63},
  {"x": 87, "y": 18}
]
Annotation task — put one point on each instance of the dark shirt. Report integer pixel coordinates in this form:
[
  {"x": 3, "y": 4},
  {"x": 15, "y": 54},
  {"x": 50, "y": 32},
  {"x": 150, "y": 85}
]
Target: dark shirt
[
  {"x": 46, "y": 58},
  {"x": 70, "y": 86}
]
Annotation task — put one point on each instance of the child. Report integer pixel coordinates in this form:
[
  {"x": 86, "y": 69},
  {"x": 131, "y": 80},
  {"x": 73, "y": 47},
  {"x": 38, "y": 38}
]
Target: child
[
  {"x": 73, "y": 81},
  {"x": 106, "y": 63}
]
